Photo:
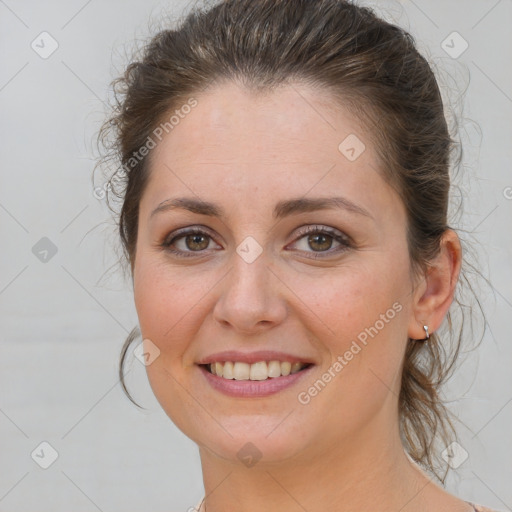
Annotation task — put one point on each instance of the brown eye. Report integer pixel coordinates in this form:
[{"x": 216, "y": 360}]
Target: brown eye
[
  {"x": 187, "y": 242},
  {"x": 320, "y": 242},
  {"x": 196, "y": 242}
]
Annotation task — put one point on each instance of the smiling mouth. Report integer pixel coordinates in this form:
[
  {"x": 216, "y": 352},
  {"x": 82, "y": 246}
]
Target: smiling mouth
[{"x": 261, "y": 370}]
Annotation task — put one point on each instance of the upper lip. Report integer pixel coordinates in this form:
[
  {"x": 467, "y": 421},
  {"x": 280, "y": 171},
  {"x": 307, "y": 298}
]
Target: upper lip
[{"x": 253, "y": 357}]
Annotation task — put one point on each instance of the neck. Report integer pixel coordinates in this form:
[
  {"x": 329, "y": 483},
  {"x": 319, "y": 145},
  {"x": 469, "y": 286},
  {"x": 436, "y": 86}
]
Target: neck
[{"x": 371, "y": 472}]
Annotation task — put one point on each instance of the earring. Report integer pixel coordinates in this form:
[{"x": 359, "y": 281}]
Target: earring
[{"x": 427, "y": 335}]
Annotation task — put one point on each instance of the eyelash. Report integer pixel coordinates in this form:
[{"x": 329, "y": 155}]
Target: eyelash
[{"x": 344, "y": 240}]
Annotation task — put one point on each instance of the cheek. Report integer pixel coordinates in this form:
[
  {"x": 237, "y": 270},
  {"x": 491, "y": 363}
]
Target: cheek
[
  {"x": 167, "y": 302},
  {"x": 360, "y": 313},
  {"x": 356, "y": 299},
  {"x": 365, "y": 308}
]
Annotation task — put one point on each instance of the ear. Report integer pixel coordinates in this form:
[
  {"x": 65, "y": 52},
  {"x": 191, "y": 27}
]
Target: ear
[{"x": 434, "y": 292}]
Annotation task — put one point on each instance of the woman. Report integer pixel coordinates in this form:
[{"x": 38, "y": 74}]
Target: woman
[{"x": 284, "y": 187}]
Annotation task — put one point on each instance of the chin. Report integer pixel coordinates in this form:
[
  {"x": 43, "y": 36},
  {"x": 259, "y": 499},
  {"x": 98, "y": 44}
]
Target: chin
[
  {"x": 251, "y": 447},
  {"x": 247, "y": 439}
]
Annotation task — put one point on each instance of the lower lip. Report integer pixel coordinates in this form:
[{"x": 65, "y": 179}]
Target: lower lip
[{"x": 252, "y": 388}]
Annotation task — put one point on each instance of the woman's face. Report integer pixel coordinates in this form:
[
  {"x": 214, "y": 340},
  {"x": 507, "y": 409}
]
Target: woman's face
[{"x": 278, "y": 272}]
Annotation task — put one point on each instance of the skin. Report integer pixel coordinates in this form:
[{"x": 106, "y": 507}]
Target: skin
[{"x": 245, "y": 153}]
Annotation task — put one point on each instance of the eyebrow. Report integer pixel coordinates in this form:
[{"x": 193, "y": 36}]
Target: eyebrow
[{"x": 281, "y": 210}]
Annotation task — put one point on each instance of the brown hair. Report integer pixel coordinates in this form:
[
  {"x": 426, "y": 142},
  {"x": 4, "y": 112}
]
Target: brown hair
[{"x": 375, "y": 70}]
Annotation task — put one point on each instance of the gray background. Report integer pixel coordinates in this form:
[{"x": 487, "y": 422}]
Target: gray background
[{"x": 63, "y": 320}]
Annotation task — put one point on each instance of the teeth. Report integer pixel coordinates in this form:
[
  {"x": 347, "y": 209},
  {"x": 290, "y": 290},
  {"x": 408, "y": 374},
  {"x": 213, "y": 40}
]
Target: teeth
[
  {"x": 241, "y": 371},
  {"x": 218, "y": 369},
  {"x": 261, "y": 370},
  {"x": 227, "y": 370},
  {"x": 285, "y": 368},
  {"x": 274, "y": 369},
  {"x": 295, "y": 367}
]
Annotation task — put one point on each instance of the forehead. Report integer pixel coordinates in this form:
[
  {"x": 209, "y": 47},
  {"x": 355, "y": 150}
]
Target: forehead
[
  {"x": 287, "y": 142},
  {"x": 290, "y": 122}
]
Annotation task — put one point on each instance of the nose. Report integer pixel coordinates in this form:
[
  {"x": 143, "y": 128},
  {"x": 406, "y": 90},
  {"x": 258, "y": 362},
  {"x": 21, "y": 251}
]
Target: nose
[{"x": 251, "y": 297}]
